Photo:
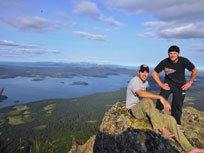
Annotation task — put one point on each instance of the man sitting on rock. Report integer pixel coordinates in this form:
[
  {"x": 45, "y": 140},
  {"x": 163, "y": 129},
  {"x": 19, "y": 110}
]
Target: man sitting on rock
[{"x": 139, "y": 108}]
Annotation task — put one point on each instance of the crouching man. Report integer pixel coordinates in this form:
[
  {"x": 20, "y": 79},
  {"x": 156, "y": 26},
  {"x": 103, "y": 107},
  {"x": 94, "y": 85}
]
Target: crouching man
[{"x": 139, "y": 103}]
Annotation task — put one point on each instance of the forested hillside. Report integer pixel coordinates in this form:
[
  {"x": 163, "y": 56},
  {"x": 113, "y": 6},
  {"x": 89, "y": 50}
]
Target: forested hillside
[{"x": 56, "y": 121}]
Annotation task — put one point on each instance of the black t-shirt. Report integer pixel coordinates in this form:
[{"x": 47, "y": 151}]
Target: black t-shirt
[{"x": 175, "y": 72}]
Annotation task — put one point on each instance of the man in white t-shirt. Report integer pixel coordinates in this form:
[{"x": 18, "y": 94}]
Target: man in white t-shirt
[{"x": 140, "y": 105}]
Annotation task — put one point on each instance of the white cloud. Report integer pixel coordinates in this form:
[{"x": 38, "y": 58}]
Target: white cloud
[
  {"x": 129, "y": 6},
  {"x": 37, "y": 52},
  {"x": 164, "y": 10},
  {"x": 187, "y": 31},
  {"x": 15, "y": 49},
  {"x": 174, "y": 30},
  {"x": 62, "y": 15},
  {"x": 107, "y": 30},
  {"x": 90, "y": 9},
  {"x": 87, "y": 8},
  {"x": 32, "y": 24},
  {"x": 66, "y": 18},
  {"x": 198, "y": 47},
  {"x": 112, "y": 21},
  {"x": 159, "y": 25},
  {"x": 148, "y": 34},
  {"x": 25, "y": 51},
  {"x": 13, "y": 44},
  {"x": 10, "y": 55},
  {"x": 90, "y": 36},
  {"x": 13, "y": 6},
  {"x": 181, "y": 19}
]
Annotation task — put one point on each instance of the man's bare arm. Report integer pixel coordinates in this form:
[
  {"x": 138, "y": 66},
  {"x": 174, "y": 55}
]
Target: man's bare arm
[
  {"x": 193, "y": 75},
  {"x": 146, "y": 94},
  {"x": 155, "y": 76}
]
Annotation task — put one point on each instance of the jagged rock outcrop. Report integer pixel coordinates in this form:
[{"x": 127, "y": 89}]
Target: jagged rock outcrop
[
  {"x": 121, "y": 133},
  {"x": 133, "y": 141},
  {"x": 193, "y": 123},
  {"x": 86, "y": 148}
]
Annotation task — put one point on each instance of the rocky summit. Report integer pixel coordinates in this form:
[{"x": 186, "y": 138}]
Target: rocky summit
[{"x": 120, "y": 132}]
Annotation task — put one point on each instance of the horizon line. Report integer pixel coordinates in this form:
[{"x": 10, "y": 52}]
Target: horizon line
[{"x": 97, "y": 63}]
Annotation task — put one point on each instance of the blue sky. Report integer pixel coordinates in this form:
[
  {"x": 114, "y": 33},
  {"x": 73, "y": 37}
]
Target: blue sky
[{"x": 122, "y": 32}]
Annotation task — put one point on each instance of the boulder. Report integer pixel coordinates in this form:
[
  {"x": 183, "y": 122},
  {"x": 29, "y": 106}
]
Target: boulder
[{"x": 120, "y": 132}]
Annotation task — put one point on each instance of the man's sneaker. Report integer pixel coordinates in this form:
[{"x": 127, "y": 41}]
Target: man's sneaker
[{"x": 180, "y": 127}]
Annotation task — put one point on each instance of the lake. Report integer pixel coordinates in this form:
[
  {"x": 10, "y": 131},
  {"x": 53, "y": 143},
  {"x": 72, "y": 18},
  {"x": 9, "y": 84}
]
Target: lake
[{"x": 21, "y": 90}]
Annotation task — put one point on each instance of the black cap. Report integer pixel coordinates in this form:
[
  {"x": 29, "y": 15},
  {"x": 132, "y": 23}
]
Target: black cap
[
  {"x": 174, "y": 49},
  {"x": 143, "y": 68}
]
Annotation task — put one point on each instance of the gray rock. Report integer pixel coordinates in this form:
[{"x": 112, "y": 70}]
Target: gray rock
[{"x": 119, "y": 132}]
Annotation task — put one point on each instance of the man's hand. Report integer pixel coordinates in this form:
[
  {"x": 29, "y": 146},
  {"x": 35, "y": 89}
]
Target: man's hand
[
  {"x": 166, "y": 133},
  {"x": 165, "y": 86},
  {"x": 186, "y": 86},
  {"x": 165, "y": 103}
]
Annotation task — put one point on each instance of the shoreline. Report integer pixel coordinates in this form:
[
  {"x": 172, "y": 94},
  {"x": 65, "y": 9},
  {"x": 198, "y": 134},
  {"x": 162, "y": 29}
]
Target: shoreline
[{"x": 187, "y": 102}]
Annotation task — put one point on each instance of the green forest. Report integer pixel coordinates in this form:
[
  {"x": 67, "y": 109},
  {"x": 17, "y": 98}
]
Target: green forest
[{"x": 54, "y": 123}]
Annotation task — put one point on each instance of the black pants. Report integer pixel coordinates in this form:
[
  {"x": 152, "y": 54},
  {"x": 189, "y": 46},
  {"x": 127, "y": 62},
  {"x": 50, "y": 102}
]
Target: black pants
[{"x": 177, "y": 101}]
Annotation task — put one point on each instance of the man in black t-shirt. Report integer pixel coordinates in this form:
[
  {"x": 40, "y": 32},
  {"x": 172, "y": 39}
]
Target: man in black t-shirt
[{"x": 174, "y": 67}]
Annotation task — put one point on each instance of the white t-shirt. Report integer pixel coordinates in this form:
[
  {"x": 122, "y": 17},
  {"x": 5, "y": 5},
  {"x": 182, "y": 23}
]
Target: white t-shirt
[{"x": 131, "y": 97}]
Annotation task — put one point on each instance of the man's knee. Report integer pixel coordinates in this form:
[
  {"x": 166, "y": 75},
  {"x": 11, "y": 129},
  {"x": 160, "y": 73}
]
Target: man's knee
[
  {"x": 172, "y": 119},
  {"x": 147, "y": 103}
]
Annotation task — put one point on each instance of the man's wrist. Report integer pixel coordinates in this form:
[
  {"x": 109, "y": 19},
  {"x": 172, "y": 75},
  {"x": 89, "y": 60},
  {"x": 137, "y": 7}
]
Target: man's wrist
[
  {"x": 160, "y": 97},
  {"x": 160, "y": 84},
  {"x": 190, "y": 82}
]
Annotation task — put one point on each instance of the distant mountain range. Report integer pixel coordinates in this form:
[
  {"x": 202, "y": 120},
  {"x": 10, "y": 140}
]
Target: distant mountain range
[
  {"x": 64, "y": 70},
  {"x": 81, "y": 64},
  {"x": 60, "y": 70}
]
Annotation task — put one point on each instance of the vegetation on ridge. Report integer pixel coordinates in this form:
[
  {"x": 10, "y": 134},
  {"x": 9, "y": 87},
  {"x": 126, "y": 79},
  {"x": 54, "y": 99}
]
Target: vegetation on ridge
[{"x": 54, "y": 123}]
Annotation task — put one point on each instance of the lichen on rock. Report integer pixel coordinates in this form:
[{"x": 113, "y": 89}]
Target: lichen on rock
[{"x": 193, "y": 123}]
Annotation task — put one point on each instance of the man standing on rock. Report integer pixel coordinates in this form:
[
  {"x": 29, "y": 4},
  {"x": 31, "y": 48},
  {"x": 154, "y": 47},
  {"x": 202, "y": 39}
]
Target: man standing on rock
[
  {"x": 175, "y": 83},
  {"x": 140, "y": 108}
]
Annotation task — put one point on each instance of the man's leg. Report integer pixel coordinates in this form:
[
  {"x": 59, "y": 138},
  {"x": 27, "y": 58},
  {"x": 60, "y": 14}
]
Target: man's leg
[
  {"x": 147, "y": 107},
  {"x": 170, "y": 123},
  {"x": 177, "y": 103},
  {"x": 165, "y": 94}
]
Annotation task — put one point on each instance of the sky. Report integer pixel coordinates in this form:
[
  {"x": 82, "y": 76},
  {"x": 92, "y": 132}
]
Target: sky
[{"x": 121, "y": 32}]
